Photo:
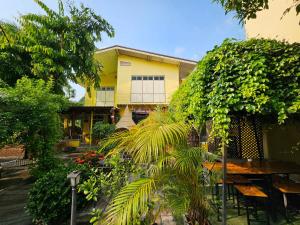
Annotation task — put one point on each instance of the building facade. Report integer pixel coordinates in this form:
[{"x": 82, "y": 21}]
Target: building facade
[{"x": 131, "y": 79}]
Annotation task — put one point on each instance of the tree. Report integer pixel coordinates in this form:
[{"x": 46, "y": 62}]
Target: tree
[
  {"x": 58, "y": 45},
  {"x": 246, "y": 9},
  {"x": 174, "y": 178},
  {"x": 15, "y": 61}
]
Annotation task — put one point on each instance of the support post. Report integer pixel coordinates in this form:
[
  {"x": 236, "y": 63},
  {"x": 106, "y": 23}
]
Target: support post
[
  {"x": 224, "y": 205},
  {"x": 73, "y": 207},
  {"x": 91, "y": 127}
]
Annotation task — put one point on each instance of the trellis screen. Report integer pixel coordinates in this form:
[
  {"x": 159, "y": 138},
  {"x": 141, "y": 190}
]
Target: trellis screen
[{"x": 246, "y": 139}]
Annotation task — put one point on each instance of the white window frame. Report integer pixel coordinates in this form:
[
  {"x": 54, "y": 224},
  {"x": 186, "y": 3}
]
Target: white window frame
[
  {"x": 143, "y": 94},
  {"x": 105, "y": 89}
]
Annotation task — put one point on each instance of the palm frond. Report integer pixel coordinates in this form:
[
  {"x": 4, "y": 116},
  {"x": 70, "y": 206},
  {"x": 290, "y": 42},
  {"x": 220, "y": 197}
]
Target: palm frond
[
  {"x": 152, "y": 138},
  {"x": 187, "y": 160},
  {"x": 131, "y": 202}
]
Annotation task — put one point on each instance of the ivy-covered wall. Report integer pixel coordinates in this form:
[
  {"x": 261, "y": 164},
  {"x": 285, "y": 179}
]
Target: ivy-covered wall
[{"x": 253, "y": 77}]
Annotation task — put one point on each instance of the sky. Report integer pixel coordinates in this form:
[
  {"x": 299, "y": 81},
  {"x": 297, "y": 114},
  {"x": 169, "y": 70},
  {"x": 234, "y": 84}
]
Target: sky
[{"x": 182, "y": 28}]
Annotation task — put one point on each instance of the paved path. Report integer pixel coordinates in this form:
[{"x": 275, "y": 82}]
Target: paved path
[{"x": 14, "y": 186}]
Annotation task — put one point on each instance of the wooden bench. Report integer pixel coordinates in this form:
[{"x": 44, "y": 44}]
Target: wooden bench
[
  {"x": 251, "y": 192},
  {"x": 230, "y": 181},
  {"x": 287, "y": 187}
]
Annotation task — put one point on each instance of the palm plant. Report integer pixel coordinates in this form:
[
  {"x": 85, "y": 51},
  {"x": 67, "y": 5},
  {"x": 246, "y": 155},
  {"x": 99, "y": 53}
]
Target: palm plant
[{"x": 174, "y": 177}]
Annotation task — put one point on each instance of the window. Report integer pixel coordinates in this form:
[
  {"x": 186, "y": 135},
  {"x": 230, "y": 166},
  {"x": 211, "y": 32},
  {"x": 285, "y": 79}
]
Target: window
[
  {"x": 105, "y": 96},
  {"x": 148, "y": 89}
]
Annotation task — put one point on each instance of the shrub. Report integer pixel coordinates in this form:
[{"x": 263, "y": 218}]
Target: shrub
[
  {"x": 107, "y": 182},
  {"x": 49, "y": 200},
  {"x": 102, "y": 130},
  {"x": 29, "y": 115}
]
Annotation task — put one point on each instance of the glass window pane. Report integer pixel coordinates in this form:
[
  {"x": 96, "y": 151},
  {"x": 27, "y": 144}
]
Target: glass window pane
[
  {"x": 159, "y": 98},
  {"x": 136, "y": 98},
  {"x": 148, "y": 98},
  {"x": 148, "y": 86},
  {"x": 159, "y": 86},
  {"x": 136, "y": 86}
]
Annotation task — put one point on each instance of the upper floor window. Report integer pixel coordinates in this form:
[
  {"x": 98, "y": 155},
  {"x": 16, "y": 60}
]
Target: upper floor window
[
  {"x": 105, "y": 96},
  {"x": 148, "y": 89}
]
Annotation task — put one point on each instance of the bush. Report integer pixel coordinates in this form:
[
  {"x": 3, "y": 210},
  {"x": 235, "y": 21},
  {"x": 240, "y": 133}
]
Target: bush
[
  {"x": 29, "y": 115},
  {"x": 104, "y": 183},
  {"x": 102, "y": 130},
  {"x": 49, "y": 200}
]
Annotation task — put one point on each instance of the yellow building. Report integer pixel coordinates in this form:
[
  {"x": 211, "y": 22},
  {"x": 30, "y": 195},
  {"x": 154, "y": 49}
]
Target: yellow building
[
  {"x": 132, "y": 78},
  {"x": 273, "y": 24}
]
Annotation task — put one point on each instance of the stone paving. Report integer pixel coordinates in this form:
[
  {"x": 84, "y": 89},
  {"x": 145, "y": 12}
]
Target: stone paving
[{"x": 14, "y": 186}]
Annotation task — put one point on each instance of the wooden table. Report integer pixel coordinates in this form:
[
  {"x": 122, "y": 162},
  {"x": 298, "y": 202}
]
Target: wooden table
[
  {"x": 255, "y": 167},
  {"x": 264, "y": 168}
]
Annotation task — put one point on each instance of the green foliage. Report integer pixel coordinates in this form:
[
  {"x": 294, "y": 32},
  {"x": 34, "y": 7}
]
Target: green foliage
[
  {"x": 106, "y": 183},
  {"x": 102, "y": 130},
  {"x": 163, "y": 130},
  {"x": 29, "y": 115},
  {"x": 49, "y": 200},
  {"x": 247, "y": 77},
  {"x": 174, "y": 179},
  {"x": 58, "y": 45},
  {"x": 246, "y": 9}
]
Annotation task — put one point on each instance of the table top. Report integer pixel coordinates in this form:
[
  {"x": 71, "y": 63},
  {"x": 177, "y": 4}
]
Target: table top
[
  {"x": 288, "y": 187},
  {"x": 256, "y": 167}
]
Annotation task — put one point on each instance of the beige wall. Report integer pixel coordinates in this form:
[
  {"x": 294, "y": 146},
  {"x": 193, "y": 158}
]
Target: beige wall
[
  {"x": 269, "y": 23},
  {"x": 144, "y": 67},
  {"x": 282, "y": 142}
]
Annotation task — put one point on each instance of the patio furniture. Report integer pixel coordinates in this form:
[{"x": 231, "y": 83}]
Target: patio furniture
[
  {"x": 264, "y": 169},
  {"x": 250, "y": 193},
  {"x": 230, "y": 182},
  {"x": 287, "y": 188}
]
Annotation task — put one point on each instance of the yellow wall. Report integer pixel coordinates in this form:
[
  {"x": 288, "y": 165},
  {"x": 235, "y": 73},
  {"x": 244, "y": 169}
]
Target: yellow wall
[
  {"x": 144, "y": 67},
  {"x": 269, "y": 23}
]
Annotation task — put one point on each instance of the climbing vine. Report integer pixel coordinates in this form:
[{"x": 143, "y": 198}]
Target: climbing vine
[{"x": 251, "y": 77}]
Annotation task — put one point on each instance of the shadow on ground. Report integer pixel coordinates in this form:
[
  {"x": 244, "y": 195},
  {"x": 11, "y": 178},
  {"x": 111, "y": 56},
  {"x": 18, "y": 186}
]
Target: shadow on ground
[{"x": 14, "y": 186}]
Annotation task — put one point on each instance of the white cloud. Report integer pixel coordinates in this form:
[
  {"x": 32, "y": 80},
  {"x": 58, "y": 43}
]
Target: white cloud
[{"x": 178, "y": 51}]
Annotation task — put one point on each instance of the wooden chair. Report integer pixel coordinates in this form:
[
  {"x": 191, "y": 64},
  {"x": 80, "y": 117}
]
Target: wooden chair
[
  {"x": 287, "y": 188},
  {"x": 249, "y": 193}
]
